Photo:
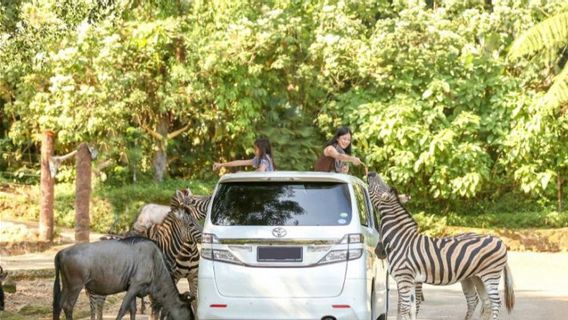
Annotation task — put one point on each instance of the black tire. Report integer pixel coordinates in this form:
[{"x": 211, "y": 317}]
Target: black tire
[{"x": 382, "y": 317}]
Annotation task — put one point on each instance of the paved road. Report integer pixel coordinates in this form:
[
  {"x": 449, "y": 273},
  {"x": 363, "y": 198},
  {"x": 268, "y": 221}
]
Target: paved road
[{"x": 541, "y": 289}]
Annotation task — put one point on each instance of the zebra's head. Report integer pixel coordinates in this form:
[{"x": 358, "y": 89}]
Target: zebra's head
[
  {"x": 178, "y": 203},
  {"x": 182, "y": 205},
  {"x": 379, "y": 191}
]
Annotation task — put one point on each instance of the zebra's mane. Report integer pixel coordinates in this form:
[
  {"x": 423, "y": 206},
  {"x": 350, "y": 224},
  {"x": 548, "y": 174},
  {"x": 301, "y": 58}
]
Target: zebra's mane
[{"x": 397, "y": 200}]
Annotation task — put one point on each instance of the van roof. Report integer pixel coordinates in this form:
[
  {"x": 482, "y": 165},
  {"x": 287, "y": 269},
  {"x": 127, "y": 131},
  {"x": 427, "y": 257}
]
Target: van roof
[{"x": 289, "y": 176}]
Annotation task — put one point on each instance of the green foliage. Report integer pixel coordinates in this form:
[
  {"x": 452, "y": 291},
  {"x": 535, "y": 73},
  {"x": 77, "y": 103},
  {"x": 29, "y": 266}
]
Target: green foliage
[
  {"x": 433, "y": 100},
  {"x": 115, "y": 208},
  {"x": 550, "y": 33}
]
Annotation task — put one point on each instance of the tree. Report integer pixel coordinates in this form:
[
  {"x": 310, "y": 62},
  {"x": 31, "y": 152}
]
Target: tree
[
  {"x": 544, "y": 130},
  {"x": 549, "y": 35}
]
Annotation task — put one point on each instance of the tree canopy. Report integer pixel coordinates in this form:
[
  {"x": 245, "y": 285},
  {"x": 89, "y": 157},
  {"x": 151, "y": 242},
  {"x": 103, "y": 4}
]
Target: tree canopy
[{"x": 438, "y": 99}]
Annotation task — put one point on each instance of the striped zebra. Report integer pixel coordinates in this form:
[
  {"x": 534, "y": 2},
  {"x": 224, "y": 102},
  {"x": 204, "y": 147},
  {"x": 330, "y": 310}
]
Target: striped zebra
[
  {"x": 177, "y": 236},
  {"x": 476, "y": 261}
]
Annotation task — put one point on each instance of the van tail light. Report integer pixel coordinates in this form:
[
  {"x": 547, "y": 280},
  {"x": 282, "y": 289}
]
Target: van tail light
[
  {"x": 220, "y": 255},
  {"x": 217, "y": 305},
  {"x": 209, "y": 238},
  {"x": 352, "y": 238},
  {"x": 341, "y": 256},
  {"x": 356, "y": 238},
  {"x": 341, "y": 306}
]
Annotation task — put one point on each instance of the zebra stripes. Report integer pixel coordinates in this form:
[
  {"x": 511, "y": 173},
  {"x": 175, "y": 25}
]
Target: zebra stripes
[
  {"x": 178, "y": 235},
  {"x": 476, "y": 261}
]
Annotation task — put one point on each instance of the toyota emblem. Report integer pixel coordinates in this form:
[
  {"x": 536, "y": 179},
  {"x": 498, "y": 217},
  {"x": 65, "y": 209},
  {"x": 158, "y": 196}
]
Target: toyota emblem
[{"x": 279, "y": 232}]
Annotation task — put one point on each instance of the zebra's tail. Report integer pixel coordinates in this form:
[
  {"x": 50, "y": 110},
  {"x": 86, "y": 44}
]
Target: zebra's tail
[
  {"x": 56, "y": 290},
  {"x": 509, "y": 292}
]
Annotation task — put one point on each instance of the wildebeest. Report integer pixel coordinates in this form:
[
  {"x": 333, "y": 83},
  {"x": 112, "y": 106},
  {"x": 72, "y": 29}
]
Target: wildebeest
[
  {"x": 177, "y": 236},
  {"x": 2, "y": 277},
  {"x": 135, "y": 265}
]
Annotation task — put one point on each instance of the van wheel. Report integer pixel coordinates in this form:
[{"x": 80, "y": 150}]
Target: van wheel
[{"x": 382, "y": 317}]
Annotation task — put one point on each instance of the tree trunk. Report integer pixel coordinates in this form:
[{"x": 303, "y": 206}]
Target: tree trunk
[
  {"x": 47, "y": 188},
  {"x": 82, "y": 194},
  {"x": 560, "y": 195},
  {"x": 161, "y": 157}
]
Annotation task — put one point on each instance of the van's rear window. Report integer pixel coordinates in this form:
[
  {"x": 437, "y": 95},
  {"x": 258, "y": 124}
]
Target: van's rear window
[{"x": 282, "y": 204}]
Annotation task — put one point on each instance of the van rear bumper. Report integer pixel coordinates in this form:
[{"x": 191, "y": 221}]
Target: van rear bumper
[{"x": 353, "y": 303}]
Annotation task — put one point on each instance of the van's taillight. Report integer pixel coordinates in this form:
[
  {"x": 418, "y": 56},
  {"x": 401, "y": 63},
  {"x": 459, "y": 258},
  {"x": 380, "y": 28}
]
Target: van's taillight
[
  {"x": 218, "y": 305},
  {"x": 356, "y": 238},
  {"x": 352, "y": 238},
  {"x": 220, "y": 255},
  {"x": 207, "y": 253},
  {"x": 209, "y": 238},
  {"x": 341, "y": 256},
  {"x": 341, "y": 306}
]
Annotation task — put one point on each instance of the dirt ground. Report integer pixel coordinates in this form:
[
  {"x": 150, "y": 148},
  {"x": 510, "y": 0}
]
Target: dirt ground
[{"x": 33, "y": 300}]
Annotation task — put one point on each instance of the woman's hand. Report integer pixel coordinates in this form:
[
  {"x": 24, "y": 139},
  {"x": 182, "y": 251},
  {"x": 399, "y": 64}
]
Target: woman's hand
[
  {"x": 356, "y": 161},
  {"x": 217, "y": 166}
]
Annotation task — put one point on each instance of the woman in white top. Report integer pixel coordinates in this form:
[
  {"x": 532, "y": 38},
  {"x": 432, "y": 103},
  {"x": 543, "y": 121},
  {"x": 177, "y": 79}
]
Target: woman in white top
[{"x": 262, "y": 160}]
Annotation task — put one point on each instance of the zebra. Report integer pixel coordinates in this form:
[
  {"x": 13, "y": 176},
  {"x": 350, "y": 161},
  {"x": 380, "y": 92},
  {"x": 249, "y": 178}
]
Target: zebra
[
  {"x": 474, "y": 260},
  {"x": 177, "y": 236}
]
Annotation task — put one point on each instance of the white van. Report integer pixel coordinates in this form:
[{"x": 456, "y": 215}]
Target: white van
[{"x": 291, "y": 245}]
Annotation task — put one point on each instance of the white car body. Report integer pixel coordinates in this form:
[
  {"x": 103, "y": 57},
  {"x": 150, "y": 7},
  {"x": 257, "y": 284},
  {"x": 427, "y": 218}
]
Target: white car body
[{"x": 292, "y": 271}]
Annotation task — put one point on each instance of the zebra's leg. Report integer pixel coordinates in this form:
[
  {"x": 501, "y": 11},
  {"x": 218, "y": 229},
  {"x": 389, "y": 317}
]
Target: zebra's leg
[
  {"x": 406, "y": 296},
  {"x": 468, "y": 287},
  {"x": 192, "y": 279},
  {"x": 97, "y": 303},
  {"x": 485, "y": 302},
  {"x": 491, "y": 284},
  {"x": 419, "y": 296}
]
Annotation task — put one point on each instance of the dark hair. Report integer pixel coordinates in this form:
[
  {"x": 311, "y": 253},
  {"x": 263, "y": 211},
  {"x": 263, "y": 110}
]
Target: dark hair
[
  {"x": 263, "y": 145},
  {"x": 338, "y": 133}
]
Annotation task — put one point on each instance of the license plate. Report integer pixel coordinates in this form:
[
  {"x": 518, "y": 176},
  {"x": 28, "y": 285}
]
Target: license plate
[{"x": 279, "y": 254}]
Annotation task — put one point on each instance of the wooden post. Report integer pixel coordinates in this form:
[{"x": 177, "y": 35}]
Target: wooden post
[
  {"x": 82, "y": 193},
  {"x": 47, "y": 188}
]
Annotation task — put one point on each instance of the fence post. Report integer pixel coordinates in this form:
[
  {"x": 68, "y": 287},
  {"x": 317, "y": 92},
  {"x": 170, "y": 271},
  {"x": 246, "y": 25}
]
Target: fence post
[
  {"x": 47, "y": 188},
  {"x": 82, "y": 193}
]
